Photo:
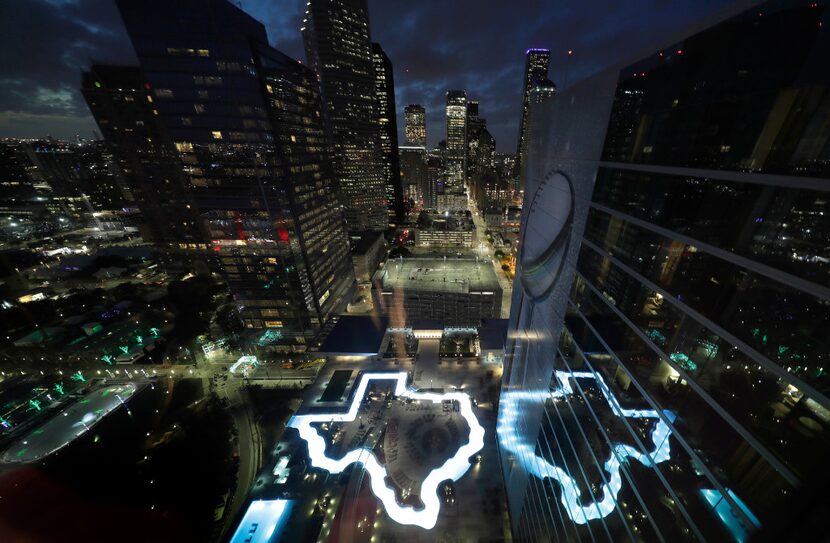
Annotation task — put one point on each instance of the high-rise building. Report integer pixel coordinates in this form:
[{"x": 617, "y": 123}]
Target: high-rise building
[
  {"x": 536, "y": 69},
  {"x": 126, "y": 114},
  {"x": 388, "y": 126},
  {"x": 481, "y": 145},
  {"x": 414, "y": 176},
  {"x": 247, "y": 124},
  {"x": 456, "y": 161},
  {"x": 415, "y": 125},
  {"x": 339, "y": 48},
  {"x": 666, "y": 373},
  {"x": 475, "y": 124}
]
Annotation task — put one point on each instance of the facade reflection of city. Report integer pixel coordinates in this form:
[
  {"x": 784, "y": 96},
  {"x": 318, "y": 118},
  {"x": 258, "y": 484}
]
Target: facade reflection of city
[
  {"x": 675, "y": 252},
  {"x": 619, "y": 333}
]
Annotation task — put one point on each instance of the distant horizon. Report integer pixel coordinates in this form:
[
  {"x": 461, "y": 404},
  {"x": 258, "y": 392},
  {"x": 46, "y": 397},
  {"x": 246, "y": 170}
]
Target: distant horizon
[{"x": 40, "y": 95}]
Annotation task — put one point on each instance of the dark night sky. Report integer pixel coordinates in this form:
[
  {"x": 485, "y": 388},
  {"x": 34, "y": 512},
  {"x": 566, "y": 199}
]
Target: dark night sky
[{"x": 434, "y": 45}]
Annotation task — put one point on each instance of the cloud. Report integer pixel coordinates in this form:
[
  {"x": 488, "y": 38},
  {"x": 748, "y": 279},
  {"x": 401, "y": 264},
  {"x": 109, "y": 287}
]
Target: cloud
[
  {"x": 45, "y": 46},
  {"x": 434, "y": 45}
]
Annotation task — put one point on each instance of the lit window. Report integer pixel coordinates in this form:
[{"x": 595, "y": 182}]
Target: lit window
[{"x": 217, "y": 135}]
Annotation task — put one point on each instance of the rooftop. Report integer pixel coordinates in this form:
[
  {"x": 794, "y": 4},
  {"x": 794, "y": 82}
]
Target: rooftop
[
  {"x": 448, "y": 274},
  {"x": 443, "y": 222}
]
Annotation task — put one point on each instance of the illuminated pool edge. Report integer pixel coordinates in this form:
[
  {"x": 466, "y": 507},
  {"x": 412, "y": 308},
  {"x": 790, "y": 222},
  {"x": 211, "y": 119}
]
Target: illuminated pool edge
[{"x": 454, "y": 468}]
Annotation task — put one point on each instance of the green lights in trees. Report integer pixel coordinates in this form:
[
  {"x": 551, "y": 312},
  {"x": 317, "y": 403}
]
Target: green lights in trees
[
  {"x": 34, "y": 405},
  {"x": 656, "y": 336},
  {"x": 78, "y": 376}
]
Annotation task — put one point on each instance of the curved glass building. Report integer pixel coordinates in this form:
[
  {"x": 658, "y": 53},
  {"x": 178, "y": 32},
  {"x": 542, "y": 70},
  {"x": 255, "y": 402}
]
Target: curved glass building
[{"x": 666, "y": 376}]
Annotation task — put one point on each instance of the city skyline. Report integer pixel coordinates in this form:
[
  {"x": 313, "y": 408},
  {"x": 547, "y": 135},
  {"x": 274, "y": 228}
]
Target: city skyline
[
  {"x": 43, "y": 98},
  {"x": 360, "y": 271}
]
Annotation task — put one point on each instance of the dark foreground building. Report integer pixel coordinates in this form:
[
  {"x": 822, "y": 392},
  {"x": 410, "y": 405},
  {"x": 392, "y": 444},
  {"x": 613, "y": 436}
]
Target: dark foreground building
[
  {"x": 245, "y": 125},
  {"x": 666, "y": 374}
]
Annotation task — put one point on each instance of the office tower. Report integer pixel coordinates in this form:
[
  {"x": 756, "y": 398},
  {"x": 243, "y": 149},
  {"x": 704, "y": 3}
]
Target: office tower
[
  {"x": 481, "y": 145},
  {"x": 414, "y": 178},
  {"x": 475, "y": 125},
  {"x": 126, "y": 114},
  {"x": 15, "y": 181},
  {"x": 536, "y": 69},
  {"x": 456, "y": 161},
  {"x": 102, "y": 183},
  {"x": 388, "y": 125},
  {"x": 543, "y": 89},
  {"x": 247, "y": 124},
  {"x": 667, "y": 368},
  {"x": 339, "y": 49},
  {"x": 415, "y": 125},
  {"x": 79, "y": 179}
]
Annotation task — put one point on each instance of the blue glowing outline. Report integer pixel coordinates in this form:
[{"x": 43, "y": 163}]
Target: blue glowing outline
[
  {"x": 541, "y": 468},
  {"x": 265, "y": 514},
  {"x": 454, "y": 468}
]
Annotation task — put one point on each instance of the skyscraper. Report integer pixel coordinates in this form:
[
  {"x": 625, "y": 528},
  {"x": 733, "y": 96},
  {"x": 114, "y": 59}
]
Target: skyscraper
[
  {"x": 414, "y": 177},
  {"x": 481, "y": 146},
  {"x": 339, "y": 49},
  {"x": 415, "y": 125},
  {"x": 536, "y": 68},
  {"x": 456, "y": 162},
  {"x": 246, "y": 122},
  {"x": 388, "y": 125},
  {"x": 666, "y": 374},
  {"x": 127, "y": 117}
]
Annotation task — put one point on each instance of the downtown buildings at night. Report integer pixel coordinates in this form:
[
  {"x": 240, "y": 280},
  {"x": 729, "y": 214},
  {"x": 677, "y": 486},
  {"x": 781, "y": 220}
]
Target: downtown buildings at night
[
  {"x": 388, "y": 132},
  {"x": 536, "y": 69},
  {"x": 244, "y": 123},
  {"x": 339, "y": 48},
  {"x": 261, "y": 306}
]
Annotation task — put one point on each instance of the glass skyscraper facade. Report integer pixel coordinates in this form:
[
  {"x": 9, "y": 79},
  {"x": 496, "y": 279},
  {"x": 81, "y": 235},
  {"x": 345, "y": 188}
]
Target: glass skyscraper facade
[
  {"x": 388, "y": 126},
  {"x": 456, "y": 161},
  {"x": 339, "y": 48},
  {"x": 666, "y": 374},
  {"x": 415, "y": 125},
  {"x": 536, "y": 69},
  {"x": 246, "y": 124},
  {"x": 126, "y": 114}
]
